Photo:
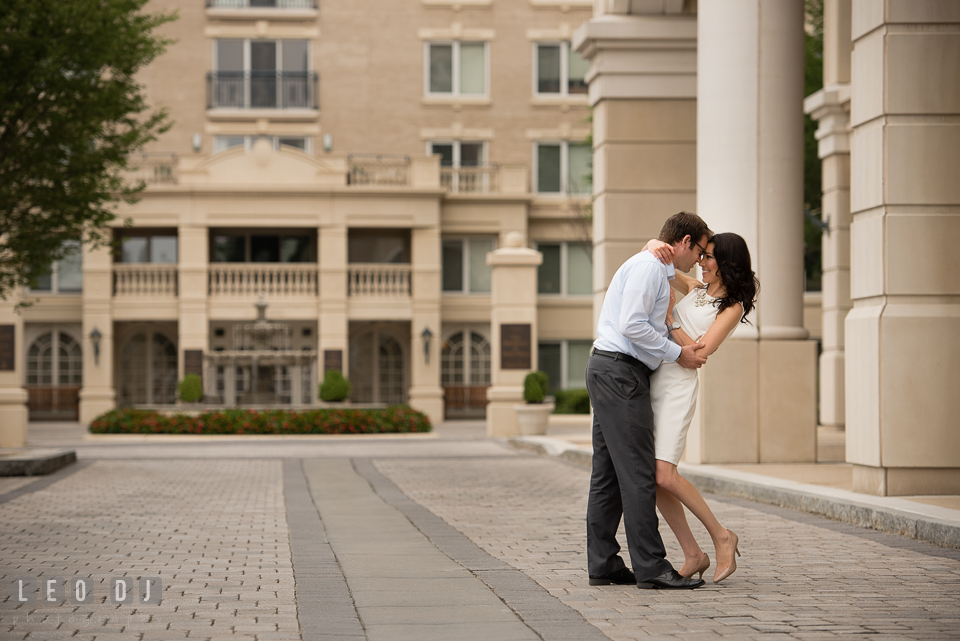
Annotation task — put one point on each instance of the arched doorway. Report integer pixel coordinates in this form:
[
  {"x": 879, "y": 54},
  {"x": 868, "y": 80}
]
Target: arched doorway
[
  {"x": 148, "y": 370},
  {"x": 54, "y": 377},
  {"x": 465, "y": 374},
  {"x": 377, "y": 368}
]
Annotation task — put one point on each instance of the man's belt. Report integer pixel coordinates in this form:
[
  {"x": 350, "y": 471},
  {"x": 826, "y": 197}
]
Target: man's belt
[{"x": 618, "y": 356}]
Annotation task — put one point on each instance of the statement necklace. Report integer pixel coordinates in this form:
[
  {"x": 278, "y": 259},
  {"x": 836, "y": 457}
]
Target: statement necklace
[{"x": 701, "y": 298}]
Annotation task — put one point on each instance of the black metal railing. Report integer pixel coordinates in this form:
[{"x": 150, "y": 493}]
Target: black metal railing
[
  {"x": 263, "y": 90},
  {"x": 257, "y": 4}
]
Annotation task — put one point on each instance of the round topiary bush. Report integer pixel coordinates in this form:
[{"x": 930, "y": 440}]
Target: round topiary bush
[
  {"x": 335, "y": 387},
  {"x": 190, "y": 389},
  {"x": 534, "y": 388}
]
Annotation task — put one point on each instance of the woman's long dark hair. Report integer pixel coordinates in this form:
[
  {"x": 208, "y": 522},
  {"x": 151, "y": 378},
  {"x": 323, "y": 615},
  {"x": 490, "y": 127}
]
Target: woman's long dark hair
[{"x": 733, "y": 264}]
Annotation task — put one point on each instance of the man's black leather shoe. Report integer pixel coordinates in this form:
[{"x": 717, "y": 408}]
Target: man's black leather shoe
[
  {"x": 622, "y": 576},
  {"x": 670, "y": 580}
]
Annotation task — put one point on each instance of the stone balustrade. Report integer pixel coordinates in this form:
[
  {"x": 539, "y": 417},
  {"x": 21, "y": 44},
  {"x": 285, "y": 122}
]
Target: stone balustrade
[
  {"x": 378, "y": 280},
  {"x": 273, "y": 279},
  {"x": 144, "y": 279}
]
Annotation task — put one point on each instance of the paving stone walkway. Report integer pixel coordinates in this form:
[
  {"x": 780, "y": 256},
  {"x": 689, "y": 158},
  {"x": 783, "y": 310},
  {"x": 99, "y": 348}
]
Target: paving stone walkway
[{"x": 420, "y": 539}]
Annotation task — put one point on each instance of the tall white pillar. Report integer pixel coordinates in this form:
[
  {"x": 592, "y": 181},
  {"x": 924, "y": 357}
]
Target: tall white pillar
[
  {"x": 513, "y": 326},
  {"x": 426, "y": 394},
  {"x": 903, "y": 333},
  {"x": 98, "y": 394},
  {"x": 758, "y": 397},
  {"x": 193, "y": 327},
  {"x": 830, "y": 107},
  {"x": 332, "y": 325}
]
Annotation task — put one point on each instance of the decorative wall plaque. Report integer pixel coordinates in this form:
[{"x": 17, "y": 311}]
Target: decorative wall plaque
[
  {"x": 515, "y": 346},
  {"x": 8, "y": 348},
  {"x": 332, "y": 359},
  {"x": 193, "y": 362}
]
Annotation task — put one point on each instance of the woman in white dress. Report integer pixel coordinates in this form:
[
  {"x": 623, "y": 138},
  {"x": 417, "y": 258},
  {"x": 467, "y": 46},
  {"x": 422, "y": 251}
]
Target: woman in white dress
[{"x": 707, "y": 313}]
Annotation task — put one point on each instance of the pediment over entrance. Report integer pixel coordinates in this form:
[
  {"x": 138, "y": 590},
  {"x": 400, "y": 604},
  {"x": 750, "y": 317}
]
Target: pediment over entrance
[{"x": 262, "y": 165}]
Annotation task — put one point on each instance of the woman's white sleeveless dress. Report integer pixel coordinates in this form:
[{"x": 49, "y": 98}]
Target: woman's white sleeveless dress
[{"x": 673, "y": 389}]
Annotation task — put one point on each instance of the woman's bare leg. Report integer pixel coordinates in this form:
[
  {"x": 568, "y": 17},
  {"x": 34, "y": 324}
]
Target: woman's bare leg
[
  {"x": 670, "y": 480},
  {"x": 672, "y": 511}
]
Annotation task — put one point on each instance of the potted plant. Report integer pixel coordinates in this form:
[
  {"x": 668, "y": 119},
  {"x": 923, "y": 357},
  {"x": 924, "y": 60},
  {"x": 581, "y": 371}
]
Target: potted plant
[
  {"x": 335, "y": 387},
  {"x": 532, "y": 416}
]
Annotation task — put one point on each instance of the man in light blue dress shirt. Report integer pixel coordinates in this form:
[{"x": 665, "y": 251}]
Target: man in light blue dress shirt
[{"x": 632, "y": 341}]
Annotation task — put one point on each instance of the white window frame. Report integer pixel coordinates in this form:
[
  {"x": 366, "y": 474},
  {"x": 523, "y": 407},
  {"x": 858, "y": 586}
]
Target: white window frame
[
  {"x": 455, "y": 72},
  {"x": 564, "y": 69},
  {"x": 55, "y": 278},
  {"x": 456, "y": 149},
  {"x": 564, "y": 269},
  {"x": 564, "y": 168},
  {"x": 564, "y": 358},
  {"x": 467, "y": 353},
  {"x": 465, "y": 257},
  {"x": 275, "y": 139}
]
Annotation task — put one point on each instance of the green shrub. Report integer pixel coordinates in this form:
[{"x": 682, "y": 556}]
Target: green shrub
[
  {"x": 190, "y": 389},
  {"x": 544, "y": 379},
  {"x": 572, "y": 401},
  {"x": 535, "y": 387},
  {"x": 394, "y": 419},
  {"x": 335, "y": 387}
]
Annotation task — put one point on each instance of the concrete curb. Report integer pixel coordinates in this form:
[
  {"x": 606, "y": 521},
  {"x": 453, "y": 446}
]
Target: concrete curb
[
  {"x": 927, "y": 523},
  {"x": 34, "y": 462}
]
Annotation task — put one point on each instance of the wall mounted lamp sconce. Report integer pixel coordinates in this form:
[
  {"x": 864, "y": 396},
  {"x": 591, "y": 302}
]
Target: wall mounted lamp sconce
[
  {"x": 95, "y": 337},
  {"x": 327, "y": 142},
  {"x": 197, "y": 142},
  {"x": 427, "y": 336}
]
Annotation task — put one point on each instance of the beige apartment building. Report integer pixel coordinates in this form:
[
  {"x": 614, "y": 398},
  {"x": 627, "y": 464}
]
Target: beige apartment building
[{"x": 349, "y": 163}]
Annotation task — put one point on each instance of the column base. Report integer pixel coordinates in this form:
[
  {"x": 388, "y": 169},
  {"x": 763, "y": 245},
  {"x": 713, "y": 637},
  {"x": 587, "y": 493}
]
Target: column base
[
  {"x": 96, "y": 401},
  {"x": 501, "y": 416},
  {"x": 428, "y": 400},
  {"x": 905, "y": 481},
  {"x": 788, "y": 401},
  {"x": 13, "y": 417},
  {"x": 832, "y": 393}
]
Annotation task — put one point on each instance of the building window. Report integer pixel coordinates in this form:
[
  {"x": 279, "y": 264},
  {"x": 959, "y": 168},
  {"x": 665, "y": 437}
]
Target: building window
[
  {"x": 147, "y": 248},
  {"x": 558, "y": 70},
  {"x": 563, "y": 167},
  {"x": 567, "y": 269},
  {"x": 379, "y": 246},
  {"x": 273, "y": 4},
  {"x": 148, "y": 370},
  {"x": 222, "y": 143},
  {"x": 458, "y": 153},
  {"x": 251, "y": 247},
  {"x": 456, "y": 68},
  {"x": 262, "y": 74},
  {"x": 65, "y": 276},
  {"x": 565, "y": 362},
  {"x": 55, "y": 358},
  {"x": 465, "y": 363},
  {"x": 465, "y": 269}
]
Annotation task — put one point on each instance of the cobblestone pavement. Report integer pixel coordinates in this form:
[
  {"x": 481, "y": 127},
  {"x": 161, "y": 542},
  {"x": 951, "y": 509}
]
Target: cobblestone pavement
[
  {"x": 214, "y": 531},
  {"x": 800, "y": 577},
  {"x": 212, "y": 520}
]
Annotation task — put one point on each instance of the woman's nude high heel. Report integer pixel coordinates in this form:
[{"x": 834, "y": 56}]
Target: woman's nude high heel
[
  {"x": 701, "y": 567},
  {"x": 730, "y": 569}
]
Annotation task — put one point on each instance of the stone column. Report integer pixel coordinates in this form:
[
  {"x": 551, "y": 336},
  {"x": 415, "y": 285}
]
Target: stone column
[
  {"x": 426, "y": 394},
  {"x": 830, "y": 107},
  {"x": 513, "y": 303},
  {"x": 193, "y": 325},
  {"x": 903, "y": 333},
  {"x": 332, "y": 325},
  {"x": 758, "y": 397},
  {"x": 643, "y": 87},
  {"x": 98, "y": 394},
  {"x": 13, "y": 398}
]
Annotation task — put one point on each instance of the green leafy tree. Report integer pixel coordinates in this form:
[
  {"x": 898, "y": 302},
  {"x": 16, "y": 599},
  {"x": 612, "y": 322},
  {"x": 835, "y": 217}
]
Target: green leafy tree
[{"x": 71, "y": 113}]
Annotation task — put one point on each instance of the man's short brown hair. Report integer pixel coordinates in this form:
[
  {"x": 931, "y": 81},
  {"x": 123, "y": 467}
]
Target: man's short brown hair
[{"x": 684, "y": 224}]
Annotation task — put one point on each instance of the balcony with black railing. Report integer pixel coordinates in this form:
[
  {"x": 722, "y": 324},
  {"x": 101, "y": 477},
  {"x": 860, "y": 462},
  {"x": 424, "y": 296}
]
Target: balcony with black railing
[{"x": 262, "y": 90}]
